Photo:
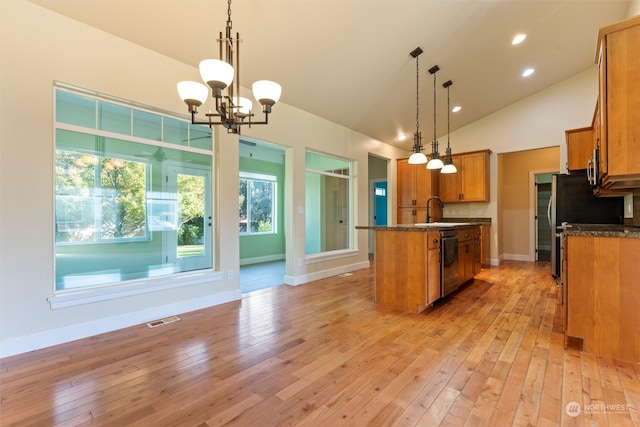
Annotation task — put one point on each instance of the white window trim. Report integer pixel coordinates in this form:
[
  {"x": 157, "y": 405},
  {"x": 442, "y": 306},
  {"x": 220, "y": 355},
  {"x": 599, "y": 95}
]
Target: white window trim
[{"x": 71, "y": 298}]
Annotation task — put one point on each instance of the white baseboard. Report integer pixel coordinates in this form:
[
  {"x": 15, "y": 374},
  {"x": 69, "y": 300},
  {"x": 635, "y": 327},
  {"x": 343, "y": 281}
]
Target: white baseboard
[
  {"x": 305, "y": 278},
  {"x": 516, "y": 257},
  {"x": 261, "y": 259},
  {"x": 19, "y": 345}
]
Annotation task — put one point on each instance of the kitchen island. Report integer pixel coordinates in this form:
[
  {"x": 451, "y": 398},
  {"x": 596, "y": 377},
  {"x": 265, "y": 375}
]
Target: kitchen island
[
  {"x": 601, "y": 285},
  {"x": 414, "y": 265}
]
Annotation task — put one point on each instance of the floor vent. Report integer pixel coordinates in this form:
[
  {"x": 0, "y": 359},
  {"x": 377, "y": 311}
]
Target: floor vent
[
  {"x": 164, "y": 321},
  {"x": 345, "y": 274}
]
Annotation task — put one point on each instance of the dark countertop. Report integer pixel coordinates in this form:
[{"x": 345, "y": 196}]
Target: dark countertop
[
  {"x": 603, "y": 230},
  {"x": 455, "y": 223}
]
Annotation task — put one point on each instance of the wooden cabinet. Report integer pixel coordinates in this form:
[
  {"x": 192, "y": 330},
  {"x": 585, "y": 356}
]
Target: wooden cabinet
[
  {"x": 602, "y": 291},
  {"x": 579, "y": 147},
  {"x": 471, "y": 182},
  {"x": 433, "y": 268},
  {"x": 415, "y": 184},
  {"x": 406, "y": 269},
  {"x": 477, "y": 251},
  {"x": 485, "y": 244},
  {"x": 467, "y": 238},
  {"x": 618, "y": 140}
]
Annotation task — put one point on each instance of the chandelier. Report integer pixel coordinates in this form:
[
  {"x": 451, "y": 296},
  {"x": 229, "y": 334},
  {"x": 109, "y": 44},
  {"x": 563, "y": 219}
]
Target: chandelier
[
  {"x": 232, "y": 110},
  {"x": 417, "y": 157}
]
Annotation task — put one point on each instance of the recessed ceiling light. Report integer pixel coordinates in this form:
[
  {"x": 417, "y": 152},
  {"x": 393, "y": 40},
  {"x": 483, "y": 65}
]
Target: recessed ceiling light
[
  {"x": 456, "y": 109},
  {"x": 401, "y": 137},
  {"x": 527, "y": 72},
  {"x": 518, "y": 39}
]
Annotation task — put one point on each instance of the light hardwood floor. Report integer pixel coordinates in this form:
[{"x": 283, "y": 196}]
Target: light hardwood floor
[{"x": 322, "y": 354}]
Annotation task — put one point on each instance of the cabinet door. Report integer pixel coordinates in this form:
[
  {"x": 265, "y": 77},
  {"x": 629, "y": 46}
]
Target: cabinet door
[
  {"x": 425, "y": 179},
  {"x": 477, "y": 251},
  {"x": 623, "y": 102},
  {"x": 451, "y": 184},
  {"x": 475, "y": 182},
  {"x": 405, "y": 183},
  {"x": 433, "y": 268},
  {"x": 406, "y": 215},
  {"x": 602, "y": 96},
  {"x": 579, "y": 148}
]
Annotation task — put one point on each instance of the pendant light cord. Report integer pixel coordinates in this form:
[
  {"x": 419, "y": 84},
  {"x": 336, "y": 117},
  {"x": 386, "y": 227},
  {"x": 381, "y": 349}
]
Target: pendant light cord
[
  {"x": 434, "y": 106},
  {"x": 417, "y": 98}
]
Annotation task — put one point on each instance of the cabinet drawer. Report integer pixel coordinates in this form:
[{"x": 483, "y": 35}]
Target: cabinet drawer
[
  {"x": 433, "y": 240},
  {"x": 465, "y": 234}
]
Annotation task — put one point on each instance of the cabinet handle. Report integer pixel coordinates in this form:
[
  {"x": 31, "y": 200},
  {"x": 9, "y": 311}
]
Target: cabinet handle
[{"x": 435, "y": 240}]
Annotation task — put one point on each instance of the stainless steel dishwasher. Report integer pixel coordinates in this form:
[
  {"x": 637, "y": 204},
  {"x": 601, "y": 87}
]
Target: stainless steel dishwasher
[{"x": 448, "y": 261}]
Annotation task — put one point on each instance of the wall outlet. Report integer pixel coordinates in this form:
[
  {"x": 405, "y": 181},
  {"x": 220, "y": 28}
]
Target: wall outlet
[
  {"x": 299, "y": 261},
  {"x": 230, "y": 274}
]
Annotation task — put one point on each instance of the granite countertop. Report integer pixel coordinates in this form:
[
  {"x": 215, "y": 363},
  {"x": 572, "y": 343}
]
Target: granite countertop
[
  {"x": 446, "y": 223},
  {"x": 602, "y": 230}
]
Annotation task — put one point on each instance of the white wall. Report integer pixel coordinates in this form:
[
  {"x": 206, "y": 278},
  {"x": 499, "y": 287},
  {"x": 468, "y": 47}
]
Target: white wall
[{"x": 40, "y": 47}]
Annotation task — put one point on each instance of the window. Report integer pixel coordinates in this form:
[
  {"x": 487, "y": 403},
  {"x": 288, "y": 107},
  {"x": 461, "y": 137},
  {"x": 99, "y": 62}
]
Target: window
[
  {"x": 257, "y": 203},
  {"x": 132, "y": 193},
  {"x": 328, "y": 197}
]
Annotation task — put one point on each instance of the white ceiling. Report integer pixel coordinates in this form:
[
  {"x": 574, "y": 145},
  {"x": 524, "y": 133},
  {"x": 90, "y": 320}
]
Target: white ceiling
[{"x": 348, "y": 60}]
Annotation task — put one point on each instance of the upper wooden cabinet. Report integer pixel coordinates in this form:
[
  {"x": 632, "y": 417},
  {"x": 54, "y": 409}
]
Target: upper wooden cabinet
[
  {"x": 471, "y": 182},
  {"x": 579, "y": 147},
  {"x": 415, "y": 184},
  {"x": 618, "y": 140}
]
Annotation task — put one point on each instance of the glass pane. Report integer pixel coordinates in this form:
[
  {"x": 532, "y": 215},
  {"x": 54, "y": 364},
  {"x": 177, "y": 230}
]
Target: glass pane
[
  {"x": 123, "y": 204},
  {"x": 175, "y": 131},
  {"x": 115, "y": 218},
  {"x": 242, "y": 206},
  {"x": 114, "y": 118},
  {"x": 327, "y": 219},
  {"x": 75, "y": 196},
  {"x": 75, "y": 109},
  {"x": 320, "y": 162},
  {"x": 200, "y": 137},
  {"x": 261, "y": 206},
  {"x": 147, "y": 125},
  {"x": 191, "y": 211}
]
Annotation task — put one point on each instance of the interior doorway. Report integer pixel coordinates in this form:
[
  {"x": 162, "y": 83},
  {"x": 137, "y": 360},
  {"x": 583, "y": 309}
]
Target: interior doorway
[
  {"x": 262, "y": 214},
  {"x": 378, "y": 194},
  {"x": 542, "y": 218}
]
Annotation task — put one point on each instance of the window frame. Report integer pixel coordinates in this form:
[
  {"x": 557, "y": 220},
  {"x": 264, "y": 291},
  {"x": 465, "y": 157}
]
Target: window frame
[
  {"x": 68, "y": 297},
  {"x": 273, "y": 179},
  {"x": 350, "y": 250}
]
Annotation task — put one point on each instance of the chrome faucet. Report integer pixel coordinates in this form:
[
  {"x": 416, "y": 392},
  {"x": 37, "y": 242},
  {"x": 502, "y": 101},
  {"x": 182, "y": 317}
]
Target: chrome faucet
[{"x": 428, "y": 200}]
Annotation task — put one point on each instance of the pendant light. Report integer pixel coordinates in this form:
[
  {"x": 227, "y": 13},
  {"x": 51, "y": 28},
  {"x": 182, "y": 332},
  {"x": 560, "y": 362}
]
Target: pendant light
[
  {"x": 417, "y": 157},
  {"x": 448, "y": 167},
  {"x": 435, "y": 162}
]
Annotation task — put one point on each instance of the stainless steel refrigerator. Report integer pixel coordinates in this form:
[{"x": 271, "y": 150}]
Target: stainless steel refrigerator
[{"x": 572, "y": 201}]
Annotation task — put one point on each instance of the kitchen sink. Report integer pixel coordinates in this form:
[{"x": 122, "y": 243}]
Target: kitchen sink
[{"x": 441, "y": 224}]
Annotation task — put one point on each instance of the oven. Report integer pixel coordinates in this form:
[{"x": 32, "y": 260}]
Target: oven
[{"x": 448, "y": 261}]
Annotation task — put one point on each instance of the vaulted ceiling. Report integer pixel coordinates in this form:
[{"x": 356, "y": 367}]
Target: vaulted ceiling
[{"x": 348, "y": 60}]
